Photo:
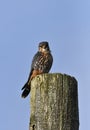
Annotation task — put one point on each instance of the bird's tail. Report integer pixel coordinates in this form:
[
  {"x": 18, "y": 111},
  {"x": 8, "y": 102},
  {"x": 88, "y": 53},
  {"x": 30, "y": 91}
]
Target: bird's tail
[{"x": 26, "y": 90}]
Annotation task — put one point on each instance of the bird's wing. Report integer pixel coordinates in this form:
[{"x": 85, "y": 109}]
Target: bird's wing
[{"x": 35, "y": 63}]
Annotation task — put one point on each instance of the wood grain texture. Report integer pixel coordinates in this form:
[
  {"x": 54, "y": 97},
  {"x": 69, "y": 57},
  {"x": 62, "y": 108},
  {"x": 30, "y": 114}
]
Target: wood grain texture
[{"x": 54, "y": 103}]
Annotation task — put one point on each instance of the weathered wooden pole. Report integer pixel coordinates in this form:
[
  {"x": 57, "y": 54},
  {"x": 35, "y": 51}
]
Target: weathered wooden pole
[{"x": 54, "y": 103}]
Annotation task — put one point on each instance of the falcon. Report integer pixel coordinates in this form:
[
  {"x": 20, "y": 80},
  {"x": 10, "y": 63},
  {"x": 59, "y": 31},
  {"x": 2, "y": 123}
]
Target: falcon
[{"x": 41, "y": 63}]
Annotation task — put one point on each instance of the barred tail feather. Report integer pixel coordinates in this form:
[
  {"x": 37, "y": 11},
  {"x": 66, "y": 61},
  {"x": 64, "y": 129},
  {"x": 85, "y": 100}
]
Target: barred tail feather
[{"x": 26, "y": 90}]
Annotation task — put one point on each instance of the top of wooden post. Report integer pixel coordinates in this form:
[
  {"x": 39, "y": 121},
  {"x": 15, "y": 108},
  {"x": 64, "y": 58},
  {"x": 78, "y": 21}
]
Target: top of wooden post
[{"x": 54, "y": 102}]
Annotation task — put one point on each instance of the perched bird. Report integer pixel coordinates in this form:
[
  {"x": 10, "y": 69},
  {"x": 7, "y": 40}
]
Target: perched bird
[{"x": 41, "y": 63}]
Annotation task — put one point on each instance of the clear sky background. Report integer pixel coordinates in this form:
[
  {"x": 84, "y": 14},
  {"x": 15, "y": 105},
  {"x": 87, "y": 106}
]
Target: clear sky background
[{"x": 65, "y": 24}]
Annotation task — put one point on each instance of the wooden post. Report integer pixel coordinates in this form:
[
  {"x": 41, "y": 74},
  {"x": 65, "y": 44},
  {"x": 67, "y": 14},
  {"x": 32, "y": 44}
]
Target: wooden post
[{"x": 54, "y": 103}]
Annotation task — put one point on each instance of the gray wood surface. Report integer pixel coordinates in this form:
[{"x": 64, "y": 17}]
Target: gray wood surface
[{"x": 54, "y": 103}]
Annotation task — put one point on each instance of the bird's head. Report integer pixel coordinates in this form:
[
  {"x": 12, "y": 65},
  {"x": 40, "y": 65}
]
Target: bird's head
[{"x": 44, "y": 47}]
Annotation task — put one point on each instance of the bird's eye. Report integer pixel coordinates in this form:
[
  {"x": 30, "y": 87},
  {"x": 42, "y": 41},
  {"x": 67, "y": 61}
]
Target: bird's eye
[
  {"x": 46, "y": 46},
  {"x": 40, "y": 45}
]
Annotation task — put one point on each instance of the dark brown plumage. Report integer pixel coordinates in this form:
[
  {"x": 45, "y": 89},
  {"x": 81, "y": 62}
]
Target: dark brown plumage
[{"x": 41, "y": 63}]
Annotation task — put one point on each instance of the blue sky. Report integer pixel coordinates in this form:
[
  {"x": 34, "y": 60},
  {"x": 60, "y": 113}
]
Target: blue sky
[{"x": 23, "y": 24}]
